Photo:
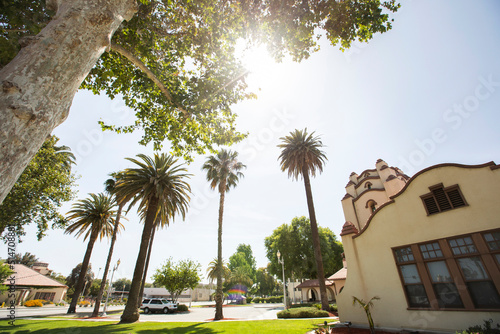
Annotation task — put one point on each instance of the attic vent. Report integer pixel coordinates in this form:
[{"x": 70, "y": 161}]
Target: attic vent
[{"x": 443, "y": 199}]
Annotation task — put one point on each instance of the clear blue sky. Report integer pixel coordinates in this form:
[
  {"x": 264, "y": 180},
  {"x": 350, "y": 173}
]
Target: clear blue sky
[{"x": 427, "y": 92}]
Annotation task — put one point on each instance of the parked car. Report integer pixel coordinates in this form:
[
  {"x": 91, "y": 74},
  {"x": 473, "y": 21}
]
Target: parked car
[{"x": 158, "y": 305}]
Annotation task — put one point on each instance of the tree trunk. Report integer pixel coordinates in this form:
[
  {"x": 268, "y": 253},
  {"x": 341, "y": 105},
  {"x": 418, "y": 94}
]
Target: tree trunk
[
  {"x": 316, "y": 242},
  {"x": 108, "y": 263},
  {"x": 83, "y": 272},
  {"x": 219, "y": 296},
  {"x": 131, "y": 313},
  {"x": 38, "y": 85},
  {"x": 146, "y": 266}
]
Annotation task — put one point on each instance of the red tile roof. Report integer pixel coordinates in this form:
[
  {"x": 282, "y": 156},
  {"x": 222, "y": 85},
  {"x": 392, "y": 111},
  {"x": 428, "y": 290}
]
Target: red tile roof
[
  {"x": 313, "y": 283},
  {"x": 25, "y": 276}
]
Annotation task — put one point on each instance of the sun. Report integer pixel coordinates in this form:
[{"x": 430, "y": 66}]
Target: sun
[{"x": 265, "y": 74}]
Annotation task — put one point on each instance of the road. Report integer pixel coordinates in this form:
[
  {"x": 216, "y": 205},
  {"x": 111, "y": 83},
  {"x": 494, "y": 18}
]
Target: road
[{"x": 196, "y": 313}]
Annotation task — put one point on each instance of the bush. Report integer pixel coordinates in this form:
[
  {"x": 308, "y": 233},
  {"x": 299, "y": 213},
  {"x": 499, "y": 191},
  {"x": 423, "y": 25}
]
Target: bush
[
  {"x": 485, "y": 329},
  {"x": 256, "y": 300},
  {"x": 182, "y": 308},
  {"x": 33, "y": 303},
  {"x": 249, "y": 300},
  {"x": 302, "y": 312},
  {"x": 84, "y": 303}
]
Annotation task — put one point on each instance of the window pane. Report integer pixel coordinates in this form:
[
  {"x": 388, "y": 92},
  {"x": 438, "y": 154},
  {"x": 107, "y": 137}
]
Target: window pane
[
  {"x": 472, "y": 268},
  {"x": 484, "y": 294},
  {"x": 417, "y": 296},
  {"x": 447, "y": 295},
  {"x": 431, "y": 251},
  {"x": 463, "y": 245},
  {"x": 498, "y": 258},
  {"x": 404, "y": 255},
  {"x": 410, "y": 274},
  {"x": 493, "y": 240},
  {"x": 439, "y": 272}
]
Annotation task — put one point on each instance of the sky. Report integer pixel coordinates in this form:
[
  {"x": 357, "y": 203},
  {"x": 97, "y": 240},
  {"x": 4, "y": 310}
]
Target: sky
[{"x": 424, "y": 93}]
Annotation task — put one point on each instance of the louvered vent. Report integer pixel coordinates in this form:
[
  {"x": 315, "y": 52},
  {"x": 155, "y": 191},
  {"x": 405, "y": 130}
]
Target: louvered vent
[
  {"x": 441, "y": 199},
  {"x": 431, "y": 205},
  {"x": 456, "y": 198}
]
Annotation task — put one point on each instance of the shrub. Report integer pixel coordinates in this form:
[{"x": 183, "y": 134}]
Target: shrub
[
  {"x": 33, "y": 303},
  {"x": 256, "y": 300},
  {"x": 249, "y": 300},
  {"x": 485, "y": 329},
  {"x": 84, "y": 303},
  {"x": 182, "y": 308},
  {"x": 302, "y": 312}
]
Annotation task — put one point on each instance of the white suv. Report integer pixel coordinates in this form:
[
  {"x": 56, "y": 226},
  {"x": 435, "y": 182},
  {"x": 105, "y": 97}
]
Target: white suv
[{"x": 158, "y": 304}]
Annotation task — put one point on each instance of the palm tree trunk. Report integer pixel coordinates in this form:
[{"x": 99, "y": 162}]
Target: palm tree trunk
[
  {"x": 146, "y": 266},
  {"x": 83, "y": 272},
  {"x": 131, "y": 313},
  {"x": 218, "y": 291},
  {"x": 95, "y": 313},
  {"x": 316, "y": 242}
]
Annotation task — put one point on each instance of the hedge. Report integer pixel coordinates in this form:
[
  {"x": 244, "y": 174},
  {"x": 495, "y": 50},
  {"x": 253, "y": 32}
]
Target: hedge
[
  {"x": 182, "y": 308},
  {"x": 302, "y": 312}
]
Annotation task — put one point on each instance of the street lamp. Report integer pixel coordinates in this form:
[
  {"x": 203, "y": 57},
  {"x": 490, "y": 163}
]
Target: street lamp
[
  {"x": 109, "y": 288},
  {"x": 282, "y": 261}
]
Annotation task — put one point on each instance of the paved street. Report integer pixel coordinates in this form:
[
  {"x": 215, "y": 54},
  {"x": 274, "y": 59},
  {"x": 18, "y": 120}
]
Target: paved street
[{"x": 197, "y": 313}]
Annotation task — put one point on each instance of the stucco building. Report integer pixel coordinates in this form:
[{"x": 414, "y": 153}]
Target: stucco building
[
  {"x": 428, "y": 246},
  {"x": 31, "y": 283}
]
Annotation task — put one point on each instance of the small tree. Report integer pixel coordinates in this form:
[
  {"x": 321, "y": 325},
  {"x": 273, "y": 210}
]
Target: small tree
[
  {"x": 366, "y": 306},
  {"x": 177, "y": 277}
]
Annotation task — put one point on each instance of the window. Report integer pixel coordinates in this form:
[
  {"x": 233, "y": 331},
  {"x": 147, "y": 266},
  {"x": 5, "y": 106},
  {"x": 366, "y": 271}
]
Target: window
[
  {"x": 462, "y": 246},
  {"x": 414, "y": 289},
  {"x": 452, "y": 273},
  {"x": 372, "y": 205},
  {"x": 45, "y": 296},
  {"x": 446, "y": 291},
  {"x": 493, "y": 242},
  {"x": 442, "y": 199},
  {"x": 482, "y": 290}
]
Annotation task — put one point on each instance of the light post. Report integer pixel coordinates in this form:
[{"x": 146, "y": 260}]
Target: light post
[
  {"x": 109, "y": 288},
  {"x": 282, "y": 261}
]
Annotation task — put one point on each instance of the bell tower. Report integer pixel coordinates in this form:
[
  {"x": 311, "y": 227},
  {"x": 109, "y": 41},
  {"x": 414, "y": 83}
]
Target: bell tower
[{"x": 368, "y": 191}]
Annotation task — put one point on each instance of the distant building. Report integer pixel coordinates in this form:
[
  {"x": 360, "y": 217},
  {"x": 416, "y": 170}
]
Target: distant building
[
  {"x": 202, "y": 292},
  {"x": 32, "y": 284},
  {"x": 428, "y": 246}
]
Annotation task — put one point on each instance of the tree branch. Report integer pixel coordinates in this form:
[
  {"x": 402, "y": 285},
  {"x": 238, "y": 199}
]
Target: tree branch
[{"x": 137, "y": 62}]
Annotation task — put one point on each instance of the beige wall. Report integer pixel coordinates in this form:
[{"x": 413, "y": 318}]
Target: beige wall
[
  {"x": 29, "y": 294},
  {"x": 372, "y": 268}
]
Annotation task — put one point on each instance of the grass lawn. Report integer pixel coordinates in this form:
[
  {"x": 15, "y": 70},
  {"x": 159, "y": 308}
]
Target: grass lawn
[{"x": 94, "y": 327}]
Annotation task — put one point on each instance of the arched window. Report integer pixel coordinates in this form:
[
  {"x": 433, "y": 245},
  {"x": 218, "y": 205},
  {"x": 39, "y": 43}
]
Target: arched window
[
  {"x": 368, "y": 185},
  {"x": 372, "y": 205}
]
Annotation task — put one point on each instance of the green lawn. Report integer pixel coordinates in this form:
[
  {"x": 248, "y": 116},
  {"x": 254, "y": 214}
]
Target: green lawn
[{"x": 91, "y": 327}]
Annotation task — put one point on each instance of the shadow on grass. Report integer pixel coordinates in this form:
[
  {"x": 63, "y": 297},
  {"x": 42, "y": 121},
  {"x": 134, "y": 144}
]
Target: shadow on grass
[{"x": 63, "y": 327}]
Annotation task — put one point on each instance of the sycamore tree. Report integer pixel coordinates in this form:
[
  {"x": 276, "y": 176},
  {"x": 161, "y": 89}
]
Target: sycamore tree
[
  {"x": 173, "y": 62},
  {"x": 40, "y": 191},
  {"x": 177, "y": 277}
]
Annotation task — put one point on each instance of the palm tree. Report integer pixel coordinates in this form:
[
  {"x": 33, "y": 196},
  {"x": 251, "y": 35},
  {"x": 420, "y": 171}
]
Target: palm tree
[
  {"x": 109, "y": 185},
  {"x": 301, "y": 155},
  {"x": 93, "y": 217},
  {"x": 223, "y": 171},
  {"x": 366, "y": 307},
  {"x": 212, "y": 271},
  {"x": 158, "y": 186}
]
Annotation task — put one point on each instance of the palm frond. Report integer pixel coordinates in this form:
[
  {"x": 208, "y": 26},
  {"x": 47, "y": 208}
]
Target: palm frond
[{"x": 301, "y": 153}]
